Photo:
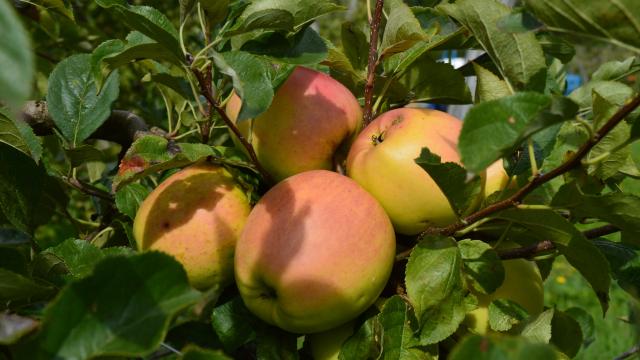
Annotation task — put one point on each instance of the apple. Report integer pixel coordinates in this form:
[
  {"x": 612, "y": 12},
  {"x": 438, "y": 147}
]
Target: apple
[
  {"x": 316, "y": 251},
  {"x": 327, "y": 344},
  {"x": 382, "y": 160},
  {"x": 496, "y": 178},
  {"x": 196, "y": 215},
  {"x": 312, "y": 118},
  {"x": 522, "y": 284}
]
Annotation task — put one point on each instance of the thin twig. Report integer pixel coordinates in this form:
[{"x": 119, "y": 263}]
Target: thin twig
[
  {"x": 206, "y": 92},
  {"x": 374, "y": 26},
  {"x": 629, "y": 353},
  {"x": 87, "y": 188},
  {"x": 537, "y": 181}
]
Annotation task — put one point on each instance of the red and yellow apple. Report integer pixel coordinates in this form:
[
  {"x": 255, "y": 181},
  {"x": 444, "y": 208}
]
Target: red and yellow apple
[
  {"x": 196, "y": 215},
  {"x": 522, "y": 284},
  {"x": 316, "y": 251},
  {"x": 312, "y": 118},
  {"x": 382, "y": 160}
]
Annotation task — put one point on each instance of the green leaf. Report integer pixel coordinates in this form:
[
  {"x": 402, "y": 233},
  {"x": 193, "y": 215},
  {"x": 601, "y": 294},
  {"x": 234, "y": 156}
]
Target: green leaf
[
  {"x": 129, "y": 198},
  {"x": 193, "y": 352},
  {"x": 355, "y": 45},
  {"x": 402, "y": 29},
  {"x": 148, "y": 21},
  {"x": 123, "y": 308},
  {"x": 275, "y": 344},
  {"x": 26, "y": 191},
  {"x": 216, "y": 10},
  {"x": 16, "y": 57},
  {"x": 615, "y": 22},
  {"x": 616, "y": 70},
  {"x": 501, "y": 125},
  {"x": 435, "y": 288},
  {"x": 566, "y": 334},
  {"x": 234, "y": 324},
  {"x": 500, "y": 347},
  {"x": 518, "y": 56},
  {"x": 304, "y": 48},
  {"x": 251, "y": 81},
  {"x": 518, "y": 21},
  {"x": 17, "y": 287},
  {"x": 625, "y": 264},
  {"x": 73, "y": 100},
  {"x": 429, "y": 81},
  {"x": 451, "y": 178},
  {"x": 504, "y": 314},
  {"x": 151, "y": 154},
  {"x": 364, "y": 344},
  {"x": 399, "y": 325},
  {"x": 482, "y": 267},
  {"x": 539, "y": 329},
  {"x": 489, "y": 86},
  {"x": 13, "y": 327},
  {"x": 82, "y": 154},
  {"x": 19, "y": 135},
  {"x": 580, "y": 252},
  {"x": 585, "y": 320}
]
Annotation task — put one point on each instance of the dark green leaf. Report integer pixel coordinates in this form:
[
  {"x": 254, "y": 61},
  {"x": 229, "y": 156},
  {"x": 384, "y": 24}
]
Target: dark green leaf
[
  {"x": 610, "y": 21},
  {"x": 84, "y": 153},
  {"x": 501, "y": 125},
  {"x": 481, "y": 265},
  {"x": 402, "y": 29},
  {"x": 518, "y": 21},
  {"x": 17, "y": 287},
  {"x": 129, "y": 198},
  {"x": 355, "y": 45},
  {"x": 451, "y": 178},
  {"x": 556, "y": 47},
  {"x": 501, "y": 347},
  {"x": 364, "y": 344},
  {"x": 504, "y": 314},
  {"x": 123, "y": 309},
  {"x": 19, "y": 135},
  {"x": 584, "y": 319},
  {"x": 399, "y": 325},
  {"x": 251, "y": 81},
  {"x": 216, "y": 9},
  {"x": 625, "y": 265},
  {"x": 518, "y": 56},
  {"x": 16, "y": 57},
  {"x": 304, "y": 48},
  {"x": 580, "y": 252},
  {"x": 73, "y": 100},
  {"x": 151, "y": 154},
  {"x": 148, "y": 21},
  {"x": 193, "y": 352},
  {"x": 566, "y": 334},
  {"x": 435, "y": 288},
  {"x": 275, "y": 344},
  {"x": 234, "y": 324},
  {"x": 429, "y": 81}
]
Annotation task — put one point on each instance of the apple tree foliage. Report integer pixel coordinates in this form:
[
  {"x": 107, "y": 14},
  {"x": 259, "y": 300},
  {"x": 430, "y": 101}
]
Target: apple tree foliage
[{"x": 76, "y": 161}]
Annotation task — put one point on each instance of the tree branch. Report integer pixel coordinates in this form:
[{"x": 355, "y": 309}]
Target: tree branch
[
  {"x": 88, "y": 189},
  {"x": 374, "y": 26},
  {"x": 122, "y": 127},
  {"x": 629, "y": 353},
  {"x": 537, "y": 181},
  {"x": 207, "y": 93}
]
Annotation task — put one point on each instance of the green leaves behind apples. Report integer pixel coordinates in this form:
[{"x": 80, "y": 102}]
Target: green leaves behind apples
[
  {"x": 580, "y": 252},
  {"x": 519, "y": 57},
  {"x": 281, "y": 15},
  {"x": 251, "y": 81},
  {"x": 129, "y": 198},
  {"x": 74, "y": 103},
  {"x": 451, "y": 178},
  {"x": 501, "y": 347},
  {"x": 123, "y": 308},
  {"x": 402, "y": 29},
  {"x": 501, "y": 125},
  {"x": 482, "y": 266},
  {"x": 305, "y": 47},
  {"x": 610, "y": 21},
  {"x": 148, "y": 21},
  {"x": 15, "y": 287},
  {"x": 16, "y": 58},
  {"x": 193, "y": 352},
  {"x": 19, "y": 135},
  {"x": 28, "y": 195},
  {"x": 504, "y": 314},
  {"x": 151, "y": 154},
  {"x": 625, "y": 264},
  {"x": 435, "y": 288}
]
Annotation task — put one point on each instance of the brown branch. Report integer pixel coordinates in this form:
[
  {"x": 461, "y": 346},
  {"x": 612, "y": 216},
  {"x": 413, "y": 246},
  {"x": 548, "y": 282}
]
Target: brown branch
[
  {"x": 537, "y": 181},
  {"x": 87, "y": 188},
  {"x": 122, "y": 127},
  {"x": 374, "y": 26},
  {"x": 207, "y": 93},
  {"x": 600, "y": 231}
]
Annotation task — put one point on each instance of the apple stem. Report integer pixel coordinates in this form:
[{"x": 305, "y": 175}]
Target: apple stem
[{"x": 374, "y": 26}]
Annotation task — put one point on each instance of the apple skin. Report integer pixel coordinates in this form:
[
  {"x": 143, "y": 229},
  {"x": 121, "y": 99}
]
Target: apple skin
[
  {"x": 312, "y": 117},
  {"x": 316, "y": 251},
  {"x": 387, "y": 168},
  {"x": 522, "y": 284},
  {"x": 327, "y": 344},
  {"x": 196, "y": 215},
  {"x": 496, "y": 178}
]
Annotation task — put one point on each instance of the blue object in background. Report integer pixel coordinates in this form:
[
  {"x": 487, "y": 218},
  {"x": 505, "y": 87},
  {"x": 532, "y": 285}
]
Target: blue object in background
[{"x": 573, "y": 82}]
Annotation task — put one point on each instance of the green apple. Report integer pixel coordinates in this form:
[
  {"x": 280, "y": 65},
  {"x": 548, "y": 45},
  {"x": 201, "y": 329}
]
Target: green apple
[
  {"x": 382, "y": 160},
  {"x": 316, "y": 251},
  {"x": 522, "y": 284},
  {"x": 196, "y": 215},
  {"x": 327, "y": 344},
  {"x": 496, "y": 178},
  {"x": 312, "y": 118}
]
